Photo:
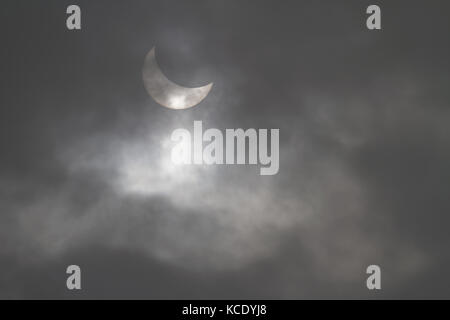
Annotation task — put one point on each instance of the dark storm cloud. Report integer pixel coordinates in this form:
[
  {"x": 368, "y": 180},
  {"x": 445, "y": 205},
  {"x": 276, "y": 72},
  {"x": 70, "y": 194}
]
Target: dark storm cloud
[{"x": 364, "y": 172}]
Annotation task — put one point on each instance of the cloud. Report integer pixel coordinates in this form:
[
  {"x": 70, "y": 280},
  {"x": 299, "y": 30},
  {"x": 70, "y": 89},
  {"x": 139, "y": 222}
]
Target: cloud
[{"x": 363, "y": 155}]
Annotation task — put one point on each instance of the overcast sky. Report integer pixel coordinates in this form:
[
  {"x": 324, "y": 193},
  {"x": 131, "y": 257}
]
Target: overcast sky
[{"x": 364, "y": 173}]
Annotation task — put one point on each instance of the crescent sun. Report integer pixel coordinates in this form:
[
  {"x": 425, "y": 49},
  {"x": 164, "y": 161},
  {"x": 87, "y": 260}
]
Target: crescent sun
[{"x": 166, "y": 92}]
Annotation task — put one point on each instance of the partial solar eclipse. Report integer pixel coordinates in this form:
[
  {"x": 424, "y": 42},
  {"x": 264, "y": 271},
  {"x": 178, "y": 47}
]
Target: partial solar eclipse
[{"x": 166, "y": 92}]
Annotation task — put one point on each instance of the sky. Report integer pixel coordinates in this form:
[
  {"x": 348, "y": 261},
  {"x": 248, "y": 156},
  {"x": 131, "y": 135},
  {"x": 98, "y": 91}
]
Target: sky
[{"x": 85, "y": 171}]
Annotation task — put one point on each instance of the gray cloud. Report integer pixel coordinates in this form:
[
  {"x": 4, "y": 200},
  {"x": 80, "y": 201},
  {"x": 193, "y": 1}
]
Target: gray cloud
[{"x": 363, "y": 120}]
